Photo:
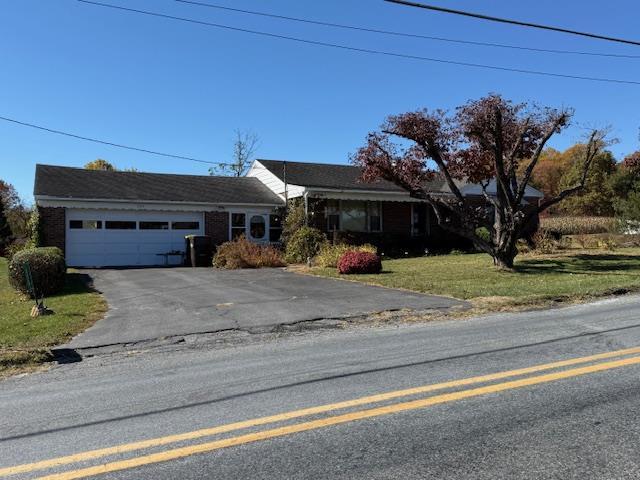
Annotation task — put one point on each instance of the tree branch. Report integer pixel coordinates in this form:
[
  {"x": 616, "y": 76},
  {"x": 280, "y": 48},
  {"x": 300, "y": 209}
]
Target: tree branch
[
  {"x": 514, "y": 152},
  {"x": 559, "y": 120},
  {"x": 435, "y": 154},
  {"x": 593, "y": 148}
]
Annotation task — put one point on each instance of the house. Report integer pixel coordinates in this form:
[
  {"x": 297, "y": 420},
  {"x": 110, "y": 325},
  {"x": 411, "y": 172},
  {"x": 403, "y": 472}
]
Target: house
[
  {"x": 106, "y": 218},
  {"x": 103, "y": 218},
  {"x": 382, "y": 213}
]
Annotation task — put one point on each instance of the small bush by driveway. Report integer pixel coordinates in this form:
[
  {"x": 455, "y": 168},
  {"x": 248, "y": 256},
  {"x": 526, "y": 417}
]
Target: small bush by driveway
[{"x": 24, "y": 341}]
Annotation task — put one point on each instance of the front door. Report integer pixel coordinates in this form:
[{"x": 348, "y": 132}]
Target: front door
[{"x": 258, "y": 227}]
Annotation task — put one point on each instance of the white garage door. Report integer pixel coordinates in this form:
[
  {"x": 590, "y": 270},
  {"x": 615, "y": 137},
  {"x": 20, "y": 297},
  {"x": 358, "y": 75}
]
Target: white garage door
[{"x": 104, "y": 238}]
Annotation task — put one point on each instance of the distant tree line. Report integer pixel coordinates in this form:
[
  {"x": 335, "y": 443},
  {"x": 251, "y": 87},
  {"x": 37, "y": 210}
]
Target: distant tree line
[{"x": 612, "y": 187}]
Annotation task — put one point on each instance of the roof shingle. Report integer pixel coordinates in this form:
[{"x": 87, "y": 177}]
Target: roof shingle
[
  {"x": 323, "y": 175},
  {"x": 69, "y": 182}
]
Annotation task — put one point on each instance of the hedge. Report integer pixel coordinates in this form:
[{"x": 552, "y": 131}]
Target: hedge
[{"x": 48, "y": 270}]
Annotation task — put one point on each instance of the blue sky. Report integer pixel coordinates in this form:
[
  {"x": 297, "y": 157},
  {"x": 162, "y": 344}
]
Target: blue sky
[{"x": 184, "y": 89}]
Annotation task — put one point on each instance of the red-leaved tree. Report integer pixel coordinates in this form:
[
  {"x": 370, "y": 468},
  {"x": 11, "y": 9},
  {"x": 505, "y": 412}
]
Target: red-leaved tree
[{"x": 484, "y": 142}]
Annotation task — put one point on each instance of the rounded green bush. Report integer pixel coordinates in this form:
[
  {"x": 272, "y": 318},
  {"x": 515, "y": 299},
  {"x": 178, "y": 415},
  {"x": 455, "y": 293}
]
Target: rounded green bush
[
  {"x": 304, "y": 244},
  {"x": 48, "y": 270}
]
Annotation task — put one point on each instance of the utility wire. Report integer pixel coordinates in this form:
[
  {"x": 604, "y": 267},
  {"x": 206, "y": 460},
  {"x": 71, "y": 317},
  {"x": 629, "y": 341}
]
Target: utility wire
[
  {"x": 364, "y": 50},
  {"x": 404, "y": 34},
  {"x": 513, "y": 22},
  {"x": 104, "y": 142}
]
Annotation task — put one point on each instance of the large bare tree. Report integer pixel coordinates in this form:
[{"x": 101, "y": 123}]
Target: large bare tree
[
  {"x": 483, "y": 142},
  {"x": 244, "y": 148}
]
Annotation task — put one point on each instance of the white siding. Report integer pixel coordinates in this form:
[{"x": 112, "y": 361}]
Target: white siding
[{"x": 273, "y": 183}]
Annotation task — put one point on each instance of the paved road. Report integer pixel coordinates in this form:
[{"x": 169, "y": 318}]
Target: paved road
[
  {"x": 151, "y": 303},
  {"x": 577, "y": 419}
]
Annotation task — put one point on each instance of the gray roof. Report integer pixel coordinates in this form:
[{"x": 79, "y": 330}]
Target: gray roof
[
  {"x": 343, "y": 177},
  {"x": 347, "y": 177},
  {"x": 324, "y": 175},
  {"x": 68, "y": 182}
]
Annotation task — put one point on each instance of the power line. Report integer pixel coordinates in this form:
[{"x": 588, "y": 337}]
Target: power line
[
  {"x": 104, "y": 142},
  {"x": 364, "y": 50},
  {"x": 513, "y": 22},
  {"x": 404, "y": 34}
]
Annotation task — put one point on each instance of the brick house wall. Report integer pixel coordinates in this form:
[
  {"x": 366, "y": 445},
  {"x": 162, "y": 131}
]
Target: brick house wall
[
  {"x": 396, "y": 217},
  {"x": 52, "y": 227},
  {"x": 216, "y": 226}
]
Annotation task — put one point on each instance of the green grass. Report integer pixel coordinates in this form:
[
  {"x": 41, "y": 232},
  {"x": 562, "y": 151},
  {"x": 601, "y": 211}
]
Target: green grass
[
  {"x": 564, "y": 276},
  {"x": 24, "y": 341}
]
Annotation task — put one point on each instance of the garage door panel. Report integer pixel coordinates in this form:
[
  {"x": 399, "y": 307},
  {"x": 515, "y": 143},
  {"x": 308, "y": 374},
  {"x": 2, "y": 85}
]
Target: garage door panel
[
  {"x": 120, "y": 247},
  {"x": 126, "y": 247},
  {"x": 155, "y": 247},
  {"x": 77, "y": 249},
  {"x": 85, "y": 259},
  {"x": 153, "y": 259},
  {"x": 121, "y": 260}
]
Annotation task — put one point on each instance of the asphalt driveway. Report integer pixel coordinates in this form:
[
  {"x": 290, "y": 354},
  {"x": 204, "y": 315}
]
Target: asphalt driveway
[{"x": 153, "y": 303}]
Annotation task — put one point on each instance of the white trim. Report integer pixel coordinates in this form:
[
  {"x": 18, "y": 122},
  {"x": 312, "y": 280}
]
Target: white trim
[{"x": 247, "y": 213}]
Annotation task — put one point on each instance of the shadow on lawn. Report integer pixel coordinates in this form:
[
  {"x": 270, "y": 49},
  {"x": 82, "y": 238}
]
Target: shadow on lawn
[{"x": 580, "y": 264}]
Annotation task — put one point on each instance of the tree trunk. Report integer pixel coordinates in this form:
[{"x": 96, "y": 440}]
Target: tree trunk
[{"x": 504, "y": 257}]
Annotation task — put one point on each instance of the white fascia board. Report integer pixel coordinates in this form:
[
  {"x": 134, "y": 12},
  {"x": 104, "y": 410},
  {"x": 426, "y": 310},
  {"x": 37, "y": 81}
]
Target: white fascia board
[{"x": 111, "y": 204}]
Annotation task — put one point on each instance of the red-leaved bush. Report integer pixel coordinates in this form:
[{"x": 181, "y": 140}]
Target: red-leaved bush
[{"x": 359, "y": 262}]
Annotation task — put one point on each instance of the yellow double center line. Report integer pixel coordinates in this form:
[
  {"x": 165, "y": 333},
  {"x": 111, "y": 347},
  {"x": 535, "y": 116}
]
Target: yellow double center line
[{"x": 324, "y": 422}]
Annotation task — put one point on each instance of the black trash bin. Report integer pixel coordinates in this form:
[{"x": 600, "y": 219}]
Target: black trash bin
[{"x": 199, "y": 250}]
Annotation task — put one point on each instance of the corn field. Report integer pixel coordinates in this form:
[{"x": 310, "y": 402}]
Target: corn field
[{"x": 579, "y": 225}]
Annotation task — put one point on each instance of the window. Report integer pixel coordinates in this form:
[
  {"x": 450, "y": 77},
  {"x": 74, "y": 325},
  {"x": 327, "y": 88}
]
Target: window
[
  {"x": 354, "y": 216},
  {"x": 185, "y": 225},
  {"x": 154, "y": 225},
  {"x": 375, "y": 216},
  {"x": 333, "y": 215},
  {"x": 275, "y": 227},
  {"x": 85, "y": 224},
  {"x": 238, "y": 224},
  {"x": 119, "y": 225},
  {"x": 257, "y": 227}
]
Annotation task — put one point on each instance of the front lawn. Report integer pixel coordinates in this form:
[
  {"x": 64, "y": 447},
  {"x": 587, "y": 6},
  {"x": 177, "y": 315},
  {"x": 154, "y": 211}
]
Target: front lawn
[
  {"x": 24, "y": 341},
  {"x": 564, "y": 276}
]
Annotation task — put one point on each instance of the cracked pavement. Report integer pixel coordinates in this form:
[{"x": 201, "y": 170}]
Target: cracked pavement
[{"x": 162, "y": 303}]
